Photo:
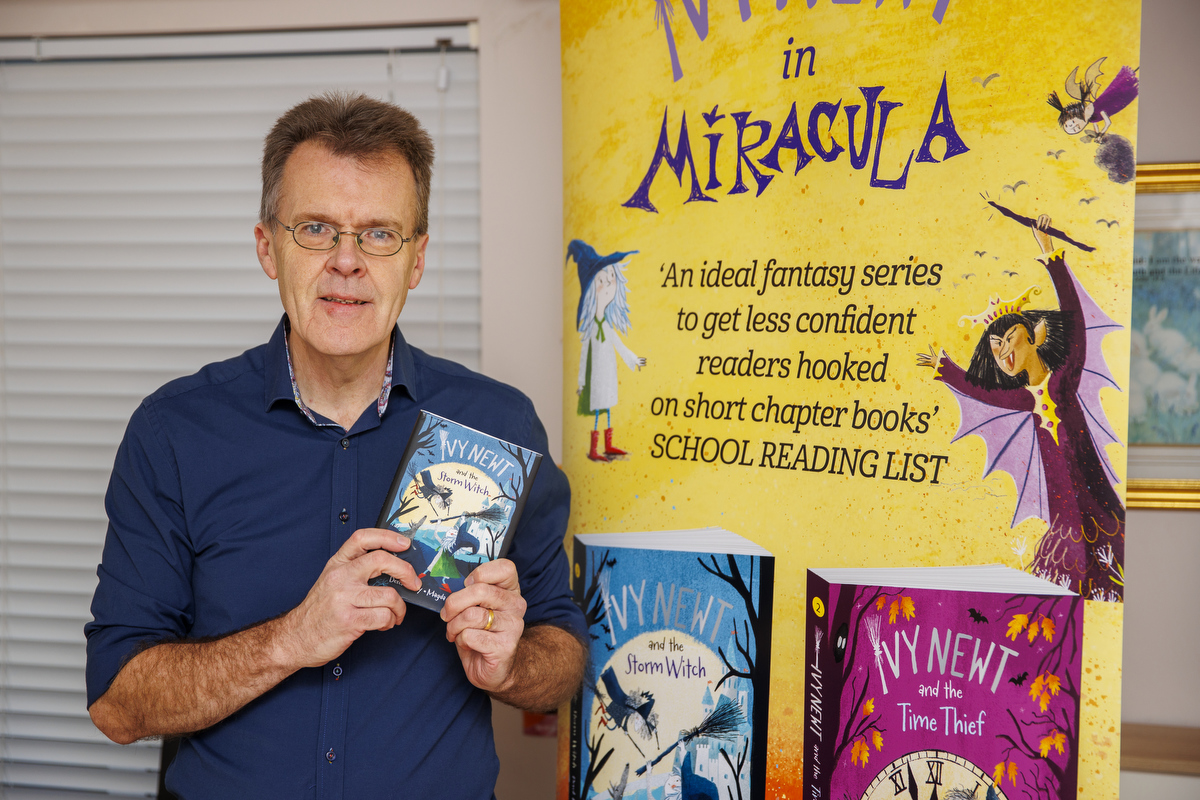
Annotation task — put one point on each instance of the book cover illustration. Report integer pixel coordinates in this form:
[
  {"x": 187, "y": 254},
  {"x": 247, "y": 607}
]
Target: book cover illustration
[
  {"x": 937, "y": 694},
  {"x": 458, "y": 494},
  {"x": 675, "y": 705}
]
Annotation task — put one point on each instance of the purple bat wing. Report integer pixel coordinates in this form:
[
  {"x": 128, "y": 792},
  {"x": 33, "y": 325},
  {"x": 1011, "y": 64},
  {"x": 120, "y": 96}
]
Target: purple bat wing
[
  {"x": 1096, "y": 377},
  {"x": 1011, "y": 441},
  {"x": 1117, "y": 95}
]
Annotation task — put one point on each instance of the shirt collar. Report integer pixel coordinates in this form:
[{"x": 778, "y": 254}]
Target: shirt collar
[{"x": 281, "y": 384}]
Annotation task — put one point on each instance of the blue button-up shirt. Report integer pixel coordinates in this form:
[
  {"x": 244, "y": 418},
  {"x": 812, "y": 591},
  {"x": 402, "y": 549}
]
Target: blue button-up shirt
[{"x": 226, "y": 501}]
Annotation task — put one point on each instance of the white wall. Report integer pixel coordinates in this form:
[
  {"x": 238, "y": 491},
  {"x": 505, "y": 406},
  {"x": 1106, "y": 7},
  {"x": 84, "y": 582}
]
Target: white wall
[{"x": 521, "y": 178}]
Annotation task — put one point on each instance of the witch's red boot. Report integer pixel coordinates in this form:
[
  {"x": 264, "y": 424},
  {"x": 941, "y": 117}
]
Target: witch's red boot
[
  {"x": 609, "y": 450},
  {"x": 593, "y": 455}
]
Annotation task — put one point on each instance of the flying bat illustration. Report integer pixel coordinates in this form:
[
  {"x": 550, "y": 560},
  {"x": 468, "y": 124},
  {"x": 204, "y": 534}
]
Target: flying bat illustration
[
  {"x": 985, "y": 81},
  {"x": 1055, "y": 153},
  {"x": 968, "y": 275},
  {"x": 977, "y": 615},
  {"x": 1109, "y": 222},
  {"x": 1011, "y": 273},
  {"x": 1014, "y": 186},
  {"x": 1020, "y": 679},
  {"x": 1086, "y": 201},
  {"x": 981, "y": 253}
]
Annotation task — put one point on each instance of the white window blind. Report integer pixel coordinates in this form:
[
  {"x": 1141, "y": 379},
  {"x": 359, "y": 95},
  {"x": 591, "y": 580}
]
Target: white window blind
[{"x": 129, "y": 188}]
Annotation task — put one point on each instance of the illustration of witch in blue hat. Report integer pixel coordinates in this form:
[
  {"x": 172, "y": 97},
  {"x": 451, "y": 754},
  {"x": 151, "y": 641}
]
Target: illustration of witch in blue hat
[{"x": 603, "y": 311}]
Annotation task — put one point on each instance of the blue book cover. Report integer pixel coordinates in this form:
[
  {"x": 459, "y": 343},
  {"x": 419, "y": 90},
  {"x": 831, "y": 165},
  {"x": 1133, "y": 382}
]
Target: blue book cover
[
  {"x": 679, "y": 629},
  {"x": 458, "y": 494}
]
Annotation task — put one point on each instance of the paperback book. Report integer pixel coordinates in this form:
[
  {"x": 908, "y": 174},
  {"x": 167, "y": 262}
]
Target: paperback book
[
  {"x": 939, "y": 683},
  {"x": 458, "y": 494},
  {"x": 679, "y": 625}
]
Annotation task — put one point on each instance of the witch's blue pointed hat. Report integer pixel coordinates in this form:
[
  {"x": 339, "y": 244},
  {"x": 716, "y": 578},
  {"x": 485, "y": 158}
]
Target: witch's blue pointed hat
[{"x": 589, "y": 263}]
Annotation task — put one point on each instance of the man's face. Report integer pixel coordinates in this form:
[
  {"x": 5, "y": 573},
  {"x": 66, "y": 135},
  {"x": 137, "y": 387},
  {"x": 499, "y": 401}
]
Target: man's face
[{"x": 342, "y": 303}]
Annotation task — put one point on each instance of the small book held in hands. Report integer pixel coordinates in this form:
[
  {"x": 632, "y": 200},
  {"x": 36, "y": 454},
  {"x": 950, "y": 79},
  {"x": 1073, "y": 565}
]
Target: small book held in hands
[{"x": 458, "y": 495}]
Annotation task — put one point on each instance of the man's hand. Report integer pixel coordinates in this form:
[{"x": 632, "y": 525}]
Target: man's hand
[
  {"x": 536, "y": 668},
  {"x": 341, "y": 606},
  {"x": 180, "y": 687},
  {"x": 485, "y": 620}
]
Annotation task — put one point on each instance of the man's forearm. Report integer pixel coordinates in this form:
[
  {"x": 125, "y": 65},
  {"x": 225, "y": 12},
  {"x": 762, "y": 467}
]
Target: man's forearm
[
  {"x": 547, "y": 671},
  {"x": 180, "y": 687}
]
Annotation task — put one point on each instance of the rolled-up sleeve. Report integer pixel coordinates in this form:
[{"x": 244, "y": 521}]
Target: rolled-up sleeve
[{"x": 144, "y": 592}]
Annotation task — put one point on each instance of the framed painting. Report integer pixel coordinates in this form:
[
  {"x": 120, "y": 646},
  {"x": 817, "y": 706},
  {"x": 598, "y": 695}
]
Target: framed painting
[{"x": 1164, "y": 399}]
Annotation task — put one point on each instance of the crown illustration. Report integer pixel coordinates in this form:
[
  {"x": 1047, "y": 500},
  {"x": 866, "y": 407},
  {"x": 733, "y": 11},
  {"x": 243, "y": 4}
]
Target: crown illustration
[{"x": 997, "y": 308}]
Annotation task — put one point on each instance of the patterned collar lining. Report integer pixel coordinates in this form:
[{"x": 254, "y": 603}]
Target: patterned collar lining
[{"x": 384, "y": 394}]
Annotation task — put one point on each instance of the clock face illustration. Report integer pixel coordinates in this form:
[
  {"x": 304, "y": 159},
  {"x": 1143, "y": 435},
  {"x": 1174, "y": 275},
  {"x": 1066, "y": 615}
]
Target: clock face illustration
[{"x": 932, "y": 775}]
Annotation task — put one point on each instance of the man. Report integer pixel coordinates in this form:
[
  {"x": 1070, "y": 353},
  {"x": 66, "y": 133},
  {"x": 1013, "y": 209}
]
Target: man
[{"x": 233, "y": 605}]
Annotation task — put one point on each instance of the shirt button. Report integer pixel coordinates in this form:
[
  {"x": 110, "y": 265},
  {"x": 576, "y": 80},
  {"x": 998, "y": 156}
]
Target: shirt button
[
  {"x": 337, "y": 671},
  {"x": 330, "y": 756},
  {"x": 345, "y": 443},
  {"x": 344, "y": 516}
]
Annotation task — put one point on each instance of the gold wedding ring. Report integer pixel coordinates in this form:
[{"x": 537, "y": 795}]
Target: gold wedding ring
[{"x": 491, "y": 619}]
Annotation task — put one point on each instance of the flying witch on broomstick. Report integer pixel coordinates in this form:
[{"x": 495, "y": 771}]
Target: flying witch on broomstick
[{"x": 1031, "y": 391}]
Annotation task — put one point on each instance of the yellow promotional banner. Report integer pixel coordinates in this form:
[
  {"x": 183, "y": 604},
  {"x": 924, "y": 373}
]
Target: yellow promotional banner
[{"x": 852, "y": 279}]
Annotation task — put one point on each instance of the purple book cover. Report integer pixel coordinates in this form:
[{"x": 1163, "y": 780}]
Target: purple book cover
[{"x": 935, "y": 694}]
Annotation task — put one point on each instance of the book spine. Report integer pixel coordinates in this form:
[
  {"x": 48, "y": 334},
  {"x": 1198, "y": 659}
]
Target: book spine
[
  {"x": 817, "y": 675},
  {"x": 762, "y": 679},
  {"x": 579, "y": 573}
]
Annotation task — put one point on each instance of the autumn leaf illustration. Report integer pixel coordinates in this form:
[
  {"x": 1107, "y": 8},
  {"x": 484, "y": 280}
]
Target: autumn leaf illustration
[
  {"x": 1053, "y": 683},
  {"x": 859, "y": 750},
  {"x": 869, "y": 707},
  {"x": 1033, "y": 631},
  {"x": 877, "y": 739},
  {"x": 907, "y": 608},
  {"x": 879, "y": 603},
  {"x": 1012, "y": 772},
  {"x": 1044, "y": 702},
  {"x": 1054, "y": 739},
  {"x": 1016, "y": 625},
  {"x": 893, "y": 610},
  {"x": 1036, "y": 687},
  {"x": 998, "y": 774},
  {"x": 1048, "y": 629}
]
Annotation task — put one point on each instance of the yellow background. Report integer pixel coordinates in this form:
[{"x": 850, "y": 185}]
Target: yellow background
[{"x": 617, "y": 83}]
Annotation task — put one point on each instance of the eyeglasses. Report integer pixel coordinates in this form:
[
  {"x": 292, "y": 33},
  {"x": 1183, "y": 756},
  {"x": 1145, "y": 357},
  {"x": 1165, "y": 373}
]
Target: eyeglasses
[{"x": 323, "y": 236}]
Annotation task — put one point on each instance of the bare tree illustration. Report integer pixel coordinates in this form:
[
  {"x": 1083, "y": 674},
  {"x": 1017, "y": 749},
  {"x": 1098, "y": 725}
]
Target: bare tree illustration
[
  {"x": 1053, "y": 729},
  {"x": 525, "y": 459},
  {"x": 737, "y": 771},
  {"x": 594, "y": 765}
]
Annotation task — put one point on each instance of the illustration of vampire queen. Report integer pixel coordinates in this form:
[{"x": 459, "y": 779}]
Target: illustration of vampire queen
[{"x": 1032, "y": 392}]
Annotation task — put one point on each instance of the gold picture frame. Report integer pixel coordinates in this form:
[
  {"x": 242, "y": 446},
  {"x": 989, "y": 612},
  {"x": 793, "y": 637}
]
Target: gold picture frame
[{"x": 1158, "y": 492}]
